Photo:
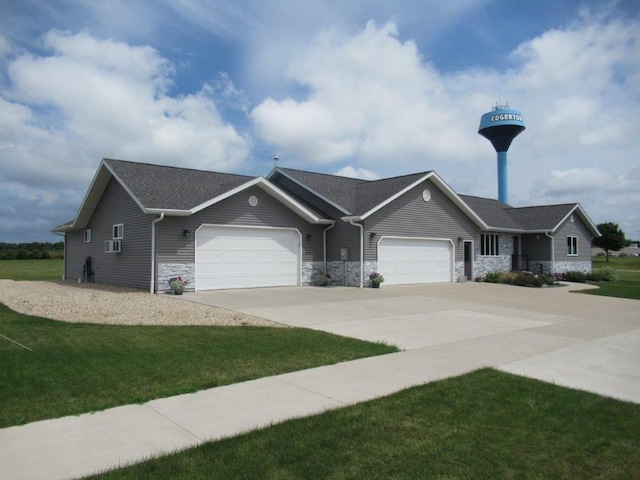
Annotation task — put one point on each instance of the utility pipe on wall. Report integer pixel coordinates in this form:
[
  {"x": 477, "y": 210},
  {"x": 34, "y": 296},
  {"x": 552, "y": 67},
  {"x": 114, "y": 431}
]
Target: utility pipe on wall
[
  {"x": 361, "y": 227},
  {"x": 553, "y": 253},
  {"x": 153, "y": 252},
  {"x": 324, "y": 244}
]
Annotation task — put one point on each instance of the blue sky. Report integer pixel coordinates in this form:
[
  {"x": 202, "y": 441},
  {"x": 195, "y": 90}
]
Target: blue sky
[{"x": 360, "y": 88}]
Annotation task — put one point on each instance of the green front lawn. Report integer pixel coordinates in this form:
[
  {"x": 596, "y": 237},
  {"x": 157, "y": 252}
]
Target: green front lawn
[
  {"x": 77, "y": 368},
  {"x": 31, "y": 269},
  {"x": 619, "y": 263},
  {"x": 483, "y": 425},
  {"x": 627, "y": 287}
]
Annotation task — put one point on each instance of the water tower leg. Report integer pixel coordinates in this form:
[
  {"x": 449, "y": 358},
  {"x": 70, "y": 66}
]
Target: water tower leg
[{"x": 503, "y": 193}]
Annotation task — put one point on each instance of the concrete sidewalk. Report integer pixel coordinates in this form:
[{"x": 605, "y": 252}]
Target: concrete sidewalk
[{"x": 552, "y": 335}]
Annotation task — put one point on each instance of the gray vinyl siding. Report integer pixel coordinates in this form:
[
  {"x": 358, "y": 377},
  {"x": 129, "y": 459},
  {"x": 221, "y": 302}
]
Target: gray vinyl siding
[
  {"x": 410, "y": 216},
  {"x": 342, "y": 235},
  {"x": 577, "y": 228},
  {"x": 174, "y": 247},
  {"x": 536, "y": 246},
  {"x": 75, "y": 255},
  {"x": 132, "y": 267}
]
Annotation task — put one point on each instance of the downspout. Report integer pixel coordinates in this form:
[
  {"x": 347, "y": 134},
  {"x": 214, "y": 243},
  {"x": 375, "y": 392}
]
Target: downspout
[
  {"x": 324, "y": 244},
  {"x": 361, "y": 227},
  {"x": 152, "y": 288},
  {"x": 553, "y": 254},
  {"x": 64, "y": 254}
]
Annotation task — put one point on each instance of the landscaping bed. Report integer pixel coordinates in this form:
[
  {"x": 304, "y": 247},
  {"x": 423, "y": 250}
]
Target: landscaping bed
[{"x": 106, "y": 304}]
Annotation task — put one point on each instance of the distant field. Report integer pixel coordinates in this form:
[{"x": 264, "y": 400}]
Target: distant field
[
  {"x": 619, "y": 263},
  {"x": 31, "y": 269}
]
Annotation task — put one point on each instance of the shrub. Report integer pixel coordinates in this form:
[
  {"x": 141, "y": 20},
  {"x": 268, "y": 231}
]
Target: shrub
[
  {"x": 493, "y": 277},
  {"x": 509, "y": 278},
  {"x": 575, "y": 276},
  {"x": 548, "y": 280},
  {"x": 558, "y": 276},
  {"x": 323, "y": 279},
  {"x": 177, "y": 287},
  {"x": 622, "y": 254},
  {"x": 604, "y": 274},
  {"x": 600, "y": 254}
]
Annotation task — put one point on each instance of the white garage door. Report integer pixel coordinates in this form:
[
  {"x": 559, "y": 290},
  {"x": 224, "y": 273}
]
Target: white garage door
[
  {"x": 245, "y": 257},
  {"x": 415, "y": 260}
]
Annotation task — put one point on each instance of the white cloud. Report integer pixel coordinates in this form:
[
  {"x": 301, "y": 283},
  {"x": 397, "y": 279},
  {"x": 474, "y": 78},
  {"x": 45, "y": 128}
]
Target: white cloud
[
  {"x": 93, "y": 98},
  {"x": 353, "y": 172},
  {"x": 97, "y": 98},
  {"x": 372, "y": 98}
]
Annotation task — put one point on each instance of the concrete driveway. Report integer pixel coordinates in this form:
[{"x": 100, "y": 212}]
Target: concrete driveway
[{"x": 582, "y": 341}]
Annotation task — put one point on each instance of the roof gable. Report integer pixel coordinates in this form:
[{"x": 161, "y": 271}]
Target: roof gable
[
  {"x": 161, "y": 187},
  {"x": 175, "y": 191}
]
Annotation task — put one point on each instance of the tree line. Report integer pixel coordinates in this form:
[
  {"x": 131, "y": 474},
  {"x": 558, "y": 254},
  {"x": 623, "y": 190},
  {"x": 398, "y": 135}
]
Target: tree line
[{"x": 33, "y": 251}]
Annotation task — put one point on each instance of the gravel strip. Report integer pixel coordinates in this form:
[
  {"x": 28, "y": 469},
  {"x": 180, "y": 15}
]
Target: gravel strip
[{"x": 107, "y": 304}]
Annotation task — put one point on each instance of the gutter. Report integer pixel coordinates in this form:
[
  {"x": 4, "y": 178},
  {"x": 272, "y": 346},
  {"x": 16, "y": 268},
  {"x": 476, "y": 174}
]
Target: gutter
[
  {"x": 152, "y": 287},
  {"x": 361, "y": 227},
  {"x": 324, "y": 244},
  {"x": 553, "y": 254}
]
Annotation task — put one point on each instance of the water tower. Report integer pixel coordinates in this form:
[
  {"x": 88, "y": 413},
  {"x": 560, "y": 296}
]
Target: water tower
[{"x": 501, "y": 126}]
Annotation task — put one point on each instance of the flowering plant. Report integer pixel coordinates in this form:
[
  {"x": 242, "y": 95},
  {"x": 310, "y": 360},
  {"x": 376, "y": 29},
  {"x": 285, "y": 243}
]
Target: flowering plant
[
  {"x": 177, "y": 285},
  {"x": 376, "y": 278}
]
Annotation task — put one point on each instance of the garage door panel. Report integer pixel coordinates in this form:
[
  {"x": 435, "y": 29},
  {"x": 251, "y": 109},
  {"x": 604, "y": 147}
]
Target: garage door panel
[
  {"x": 411, "y": 260},
  {"x": 244, "y": 257}
]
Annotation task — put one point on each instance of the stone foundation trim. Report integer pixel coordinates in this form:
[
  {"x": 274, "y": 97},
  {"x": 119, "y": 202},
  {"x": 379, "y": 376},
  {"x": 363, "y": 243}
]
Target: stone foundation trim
[{"x": 170, "y": 270}]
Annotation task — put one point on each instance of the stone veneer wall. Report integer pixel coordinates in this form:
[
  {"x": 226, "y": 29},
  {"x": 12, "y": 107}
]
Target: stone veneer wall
[
  {"x": 170, "y": 270},
  {"x": 460, "y": 271},
  {"x": 568, "y": 266},
  {"x": 310, "y": 271}
]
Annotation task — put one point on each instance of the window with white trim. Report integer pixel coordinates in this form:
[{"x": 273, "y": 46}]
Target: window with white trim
[
  {"x": 118, "y": 231},
  {"x": 87, "y": 235},
  {"x": 489, "y": 244},
  {"x": 572, "y": 246}
]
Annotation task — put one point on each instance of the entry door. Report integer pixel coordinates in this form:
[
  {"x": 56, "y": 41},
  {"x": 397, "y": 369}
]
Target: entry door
[{"x": 468, "y": 260}]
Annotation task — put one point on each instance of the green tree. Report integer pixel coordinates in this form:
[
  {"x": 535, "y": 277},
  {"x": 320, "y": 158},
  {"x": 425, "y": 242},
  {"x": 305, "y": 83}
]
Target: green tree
[{"x": 612, "y": 238}]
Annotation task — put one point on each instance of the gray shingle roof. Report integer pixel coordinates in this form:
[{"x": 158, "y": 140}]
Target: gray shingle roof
[
  {"x": 545, "y": 217},
  {"x": 340, "y": 190},
  {"x": 354, "y": 195},
  {"x": 157, "y": 186},
  {"x": 492, "y": 212},
  {"x": 500, "y": 215}
]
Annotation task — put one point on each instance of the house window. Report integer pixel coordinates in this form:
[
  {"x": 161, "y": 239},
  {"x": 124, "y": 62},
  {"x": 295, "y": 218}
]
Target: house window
[
  {"x": 489, "y": 244},
  {"x": 572, "y": 246},
  {"x": 87, "y": 235},
  {"x": 118, "y": 231}
]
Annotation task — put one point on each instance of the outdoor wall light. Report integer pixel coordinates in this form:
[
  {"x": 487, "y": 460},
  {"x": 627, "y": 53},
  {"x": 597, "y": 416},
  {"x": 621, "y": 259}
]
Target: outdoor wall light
[
  {"x": 460, "y": 239},
  {"x": 186, "y": 233},
  {"x": 309, "y": 237},
  {"x": 372, "y": 234}
]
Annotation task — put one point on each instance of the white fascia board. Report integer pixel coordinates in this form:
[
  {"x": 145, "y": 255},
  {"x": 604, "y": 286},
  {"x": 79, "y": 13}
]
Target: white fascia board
[
  {"x": 272, "y": 190},
  {"x": 309, "y": 189},
  {"x": 225, "y": 195},
  {"x": 290, "y": 202},
  {"x": 126, "y": 188},
  {"x": 583, "y": 215},
  {"x": 168, "y": 212},
  {"x": 453, "y": 196},
  {"x": 99, "y": 181}
]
